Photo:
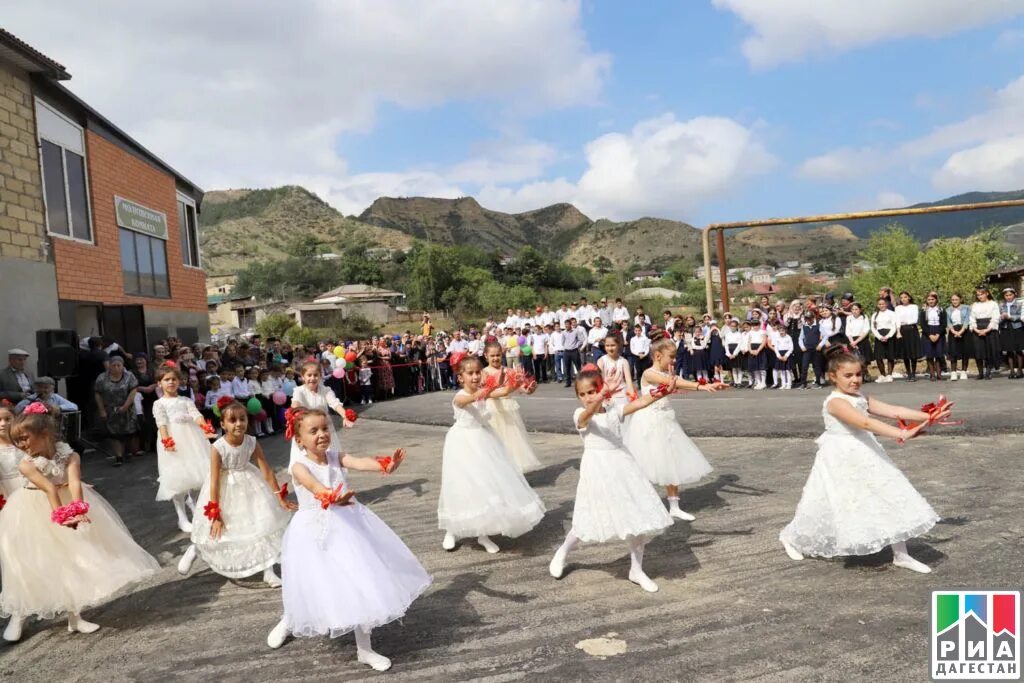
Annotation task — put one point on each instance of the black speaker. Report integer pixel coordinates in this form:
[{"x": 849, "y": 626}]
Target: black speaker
[{"x": 58, "y": 353}]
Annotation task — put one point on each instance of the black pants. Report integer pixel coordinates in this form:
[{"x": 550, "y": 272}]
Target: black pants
[
  {"x": 816, "y": 359},
  {"x": 570, "y": 360},
  {"x": 540, "y": 368}
]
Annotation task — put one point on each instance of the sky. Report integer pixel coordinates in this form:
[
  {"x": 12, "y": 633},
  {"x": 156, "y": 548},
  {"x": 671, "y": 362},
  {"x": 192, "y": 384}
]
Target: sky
[{"x": 696, "y": 110}]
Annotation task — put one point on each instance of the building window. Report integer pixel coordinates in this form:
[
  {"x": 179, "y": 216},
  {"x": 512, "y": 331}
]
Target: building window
[
  {"x": 189, "y": 231},
  {"x": 65, "y": 189},
  {"x": 144, "y": 262}
]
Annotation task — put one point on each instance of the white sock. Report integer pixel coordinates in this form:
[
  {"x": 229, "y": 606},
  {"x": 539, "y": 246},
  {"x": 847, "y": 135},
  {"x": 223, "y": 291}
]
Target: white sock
[
  {"x": 185, "y": 563},
  {"x": 902, "y": 558},
  {"x": 271, "y": 578},
  {"x": 179, "y": 508},
  {"x": 77, "y": 623},
  {"x": 489, "y": 545},
  {"x": 675, "y": 511},
  {"x": 636, "y": 565},
  {"x": 557, "y": 565},
  {"x": 365, "y": 653}
]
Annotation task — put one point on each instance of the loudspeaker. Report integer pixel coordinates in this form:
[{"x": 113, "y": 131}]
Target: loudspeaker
[{"x": 58, "y": 353}]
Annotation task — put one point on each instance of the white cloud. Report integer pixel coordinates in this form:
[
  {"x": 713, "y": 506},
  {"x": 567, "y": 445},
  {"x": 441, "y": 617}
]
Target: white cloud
[
  {"x": 839, "y": 165},
  {"x": 890, "y": 200},
  {"x": 662, "y": 167},
  {"x": 997, "y": 165},
  {"x": 234, "y": 94},
  {"x": 789, "y": 30}
]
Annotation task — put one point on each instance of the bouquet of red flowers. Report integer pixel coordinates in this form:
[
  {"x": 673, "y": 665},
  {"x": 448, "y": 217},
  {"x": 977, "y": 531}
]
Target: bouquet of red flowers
[
  {"x": 168, "y": 443},
  {"x": 208, "y": 429},
  {"x": 351, "y": 415},
  {"x": 68, "y": 515}
]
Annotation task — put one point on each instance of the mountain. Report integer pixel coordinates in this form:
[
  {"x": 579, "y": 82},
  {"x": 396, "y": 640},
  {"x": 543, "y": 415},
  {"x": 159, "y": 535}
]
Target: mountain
[
  {"x": 463, "y": 220},
  {"x": 239, "y": 226},
  {"x": 957, "y": 224}
]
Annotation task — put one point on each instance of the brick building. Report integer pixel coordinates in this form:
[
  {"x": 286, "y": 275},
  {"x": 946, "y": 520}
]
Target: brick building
[{"x": 97, "y": 234}]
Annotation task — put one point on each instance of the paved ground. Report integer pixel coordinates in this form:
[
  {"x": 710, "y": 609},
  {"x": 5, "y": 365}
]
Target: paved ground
[
  {"x": 731, "y": 605},
  {"x": 988, "y": 407}
]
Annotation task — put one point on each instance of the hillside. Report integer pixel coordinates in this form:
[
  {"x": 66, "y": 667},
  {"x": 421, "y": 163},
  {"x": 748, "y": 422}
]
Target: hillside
[
  {"x": 239, "y": 226},
  {"x": 959, "y": 224},
  {"x": 463, "y": 220}
]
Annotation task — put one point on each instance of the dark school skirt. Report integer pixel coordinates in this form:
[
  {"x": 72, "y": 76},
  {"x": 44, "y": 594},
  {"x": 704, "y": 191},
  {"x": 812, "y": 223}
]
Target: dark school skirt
[
  {"x": 932, "y": 350},
  {"x": 758, "y": 362},
  {"x": 986, "y": 348},
  {"x": 698, "y": 360},
  {"x": 885, "y": 350},
  {"x": 864, "y": 349},
  {"x": 910, "y": 342},
  {"x": 716, "y": 352},
  {"x": 780, "y": 364},
  {"x": 956, "y": 347},
  {"x": 736, "y": 362},
  {"x": 1011, "y": 341}
]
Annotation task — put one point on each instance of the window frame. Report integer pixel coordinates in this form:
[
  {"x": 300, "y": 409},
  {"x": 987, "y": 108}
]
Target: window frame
[
  {"x": 135, "y": 245},
  {"x": 189, "y": 202},
  {"x": 40, "y": 137}
]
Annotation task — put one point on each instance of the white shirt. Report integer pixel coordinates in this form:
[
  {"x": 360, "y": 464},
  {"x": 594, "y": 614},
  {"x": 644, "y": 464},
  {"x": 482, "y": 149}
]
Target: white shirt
[
  {"x": 606, "y": 315},
  {"x": 597, "y": 335},
  {"x": 856, "y": 327},
  {"x": 512, "y": 321},
  {"x": 549, "y": 318},
  {"x": 733, "y": 337},
  {"x": 586, "y": 313},
  {"x": 573, "y": 313},
  {"x": 883, "y": 320},
  {"x": 556, "y": 342},
  {"x": 980, "y": 311},
  {"x": 644, "y": 320},
  {"x": 755, "y": 336},
  {"x": 539, "y": 342},
  {"x": 783, "y": 344},
  {"x": 240, "y": 387},
  {"x": 620, "y": 313},
  {"x": 458, "y": 346},
  {"x": 907, "y": 315},
  {"x": 640, "y": 345},
  {"x": 955, "y": 318},
  {"x": 474, "y": 347},
  {"x": 563, "y": 316},
  {"x": 829, "y": 327},
  {"x": 931, "y": 315}
]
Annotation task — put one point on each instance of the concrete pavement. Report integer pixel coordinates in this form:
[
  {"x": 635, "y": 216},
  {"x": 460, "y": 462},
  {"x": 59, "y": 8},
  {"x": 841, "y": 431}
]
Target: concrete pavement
[{"x": 732, "y": 606}]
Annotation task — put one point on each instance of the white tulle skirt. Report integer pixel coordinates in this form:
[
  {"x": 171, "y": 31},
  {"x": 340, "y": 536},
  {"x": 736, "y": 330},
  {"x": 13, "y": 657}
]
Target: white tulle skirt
[
  {"x": 614, "y": 500},
  {"x": 344, "y": 567},
  {"x": 50, "y": 570},
  {"x": 482, "y": 490},
  {"x": 11, "y": 484},
  {"x": 667, "y": 456},
  {"x": 508, "y": 425},
  {"x": 254, "y": 524},
  {"x": 855, "y": 501},
  {"x": 187, "y": 467}
]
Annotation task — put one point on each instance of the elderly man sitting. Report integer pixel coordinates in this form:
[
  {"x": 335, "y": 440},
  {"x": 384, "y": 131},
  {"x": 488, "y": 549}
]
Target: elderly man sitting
[{"x": 46, "y": 393}]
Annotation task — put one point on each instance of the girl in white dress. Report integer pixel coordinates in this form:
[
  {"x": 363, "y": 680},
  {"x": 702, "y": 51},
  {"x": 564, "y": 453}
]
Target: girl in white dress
[
  {"x": 63, "y": 548},
  {"x": 617, "y": 376},
  {"x": 10, "y": 457},
  {"x": 343, "y": 568},
  {"x": 482, "y": 491},
  {"x": 667, "y": 456},
  {"x": 312, "y": 394},
  {"x": 504, "y": 411},
  {"x": 856, "y": 501},
  {"x": 614, "y": 500},
  {"x": 183, "y": 452},
  {"x": 245, "y": 512}
]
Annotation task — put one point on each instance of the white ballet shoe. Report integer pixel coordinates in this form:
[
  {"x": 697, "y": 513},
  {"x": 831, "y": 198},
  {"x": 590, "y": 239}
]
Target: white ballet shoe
[
  {"x": 488, "y": 545},
  {"x": 277, "y": 635},
  {"x": 190, "y": 503},
  {"x": 644, "y": 581},
  {"x": 449, "y": 541},
  {"x": 185, "y": 563},
  {"x": 375, "y": 661},
  {"x": 184, "y": 526},
  {"x": 681, "y": 514},
  {"x": 77, "y": 624},
  {"x": 271, "y": 578},
  {"x": 793, "y": 553},
  {"x": 907, "y": 562},
  {"x": 12, "y": 633}
]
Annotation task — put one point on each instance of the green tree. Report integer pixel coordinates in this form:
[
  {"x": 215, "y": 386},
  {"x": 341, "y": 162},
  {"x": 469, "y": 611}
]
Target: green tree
[{"x": 274, "y": 325}]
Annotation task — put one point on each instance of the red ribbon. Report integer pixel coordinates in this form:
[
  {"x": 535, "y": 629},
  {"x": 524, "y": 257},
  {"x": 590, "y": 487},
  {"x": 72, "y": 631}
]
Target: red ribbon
[
  {"x": 934, "y": 409},
  {"x": 384, "y": 461}
]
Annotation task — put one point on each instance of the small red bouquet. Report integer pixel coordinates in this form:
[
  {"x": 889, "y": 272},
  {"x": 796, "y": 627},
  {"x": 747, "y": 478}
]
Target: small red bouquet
[
  {"x": 208, "y": 429},
  {"x": 67, "y": 515},
  {"x": 351, "y": 415},
  {"x": 212, "y": 511},
  {"x": 168, "y": 443},
  {"x": 328, "y": 496}
]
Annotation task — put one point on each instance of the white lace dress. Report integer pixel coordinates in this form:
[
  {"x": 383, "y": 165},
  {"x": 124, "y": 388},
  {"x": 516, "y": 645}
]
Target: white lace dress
[
  {"x": 324, "y": 399},
  {"x": 254, "y": 521},
  {"x": 343, "y": 567},
  {"x": 482, "y": 490},
  {"x": 50, "y": 570},
  {"x": 509, "y": 426},
  {"x": 10, "y": 478},
  {"x": 187, "y": 467},
  {"x": 614, "y": 500},
  {"x": 665, "y": 453},
  {"x": 856, "y": 501}
]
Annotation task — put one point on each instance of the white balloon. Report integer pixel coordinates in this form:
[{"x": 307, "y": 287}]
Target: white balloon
[{"x": 339, "y": 363}]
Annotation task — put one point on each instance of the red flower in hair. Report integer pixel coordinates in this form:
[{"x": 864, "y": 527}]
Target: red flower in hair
[
  {"x": 36, "y": 408},
  {"x": 170, "y": 364},
  {"x": 590, "y": 367},
  {"x": 291, "y": 418},
  {"x": 224, "y": 401}
]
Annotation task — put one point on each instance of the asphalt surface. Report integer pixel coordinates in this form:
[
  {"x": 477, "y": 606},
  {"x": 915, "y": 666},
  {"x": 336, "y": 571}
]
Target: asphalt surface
[
  {"x": 993, "y": 406},
  {"x": 732, "y": 606}
]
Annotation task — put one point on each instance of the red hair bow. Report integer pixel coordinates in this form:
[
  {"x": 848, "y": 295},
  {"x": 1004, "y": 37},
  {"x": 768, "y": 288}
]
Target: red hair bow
[{"x": 291, "y": 418}]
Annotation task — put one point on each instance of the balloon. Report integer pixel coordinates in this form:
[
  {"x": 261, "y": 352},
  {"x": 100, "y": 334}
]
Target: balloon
[
  {"x": 279, "y": 398},
  {"x": 522, "y": 340},
  {"x": 338, "y": 373},
  {"x": 261, "y": 416},
  {"x": 350, "y": 357},
  {"x": 512, "y": 342},
  {"x": 253, "y": 406},
  {"x": 216, "y": 410},
  {"x": 527, "y": 350},
  {"x": 339, "y": 362},
  {"x": 349, "y": 365},
  {"x": 339, "y": 351}
]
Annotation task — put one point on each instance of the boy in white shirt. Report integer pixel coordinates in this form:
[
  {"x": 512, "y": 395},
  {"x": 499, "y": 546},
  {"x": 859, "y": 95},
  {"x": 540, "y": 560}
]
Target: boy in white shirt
[{"x": 539, "y": 341}]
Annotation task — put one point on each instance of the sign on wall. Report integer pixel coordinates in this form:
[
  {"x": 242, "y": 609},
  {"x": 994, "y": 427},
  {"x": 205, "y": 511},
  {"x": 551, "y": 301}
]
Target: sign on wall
[{"x": 136, "y": 217}]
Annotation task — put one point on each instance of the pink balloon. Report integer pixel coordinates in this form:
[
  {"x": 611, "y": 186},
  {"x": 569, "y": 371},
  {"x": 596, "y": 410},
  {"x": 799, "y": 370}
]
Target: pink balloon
[
  {"x": 338, "y": 373},
  {"x": 261, "y": 416},
  {"x": 279, "y": 398}
]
